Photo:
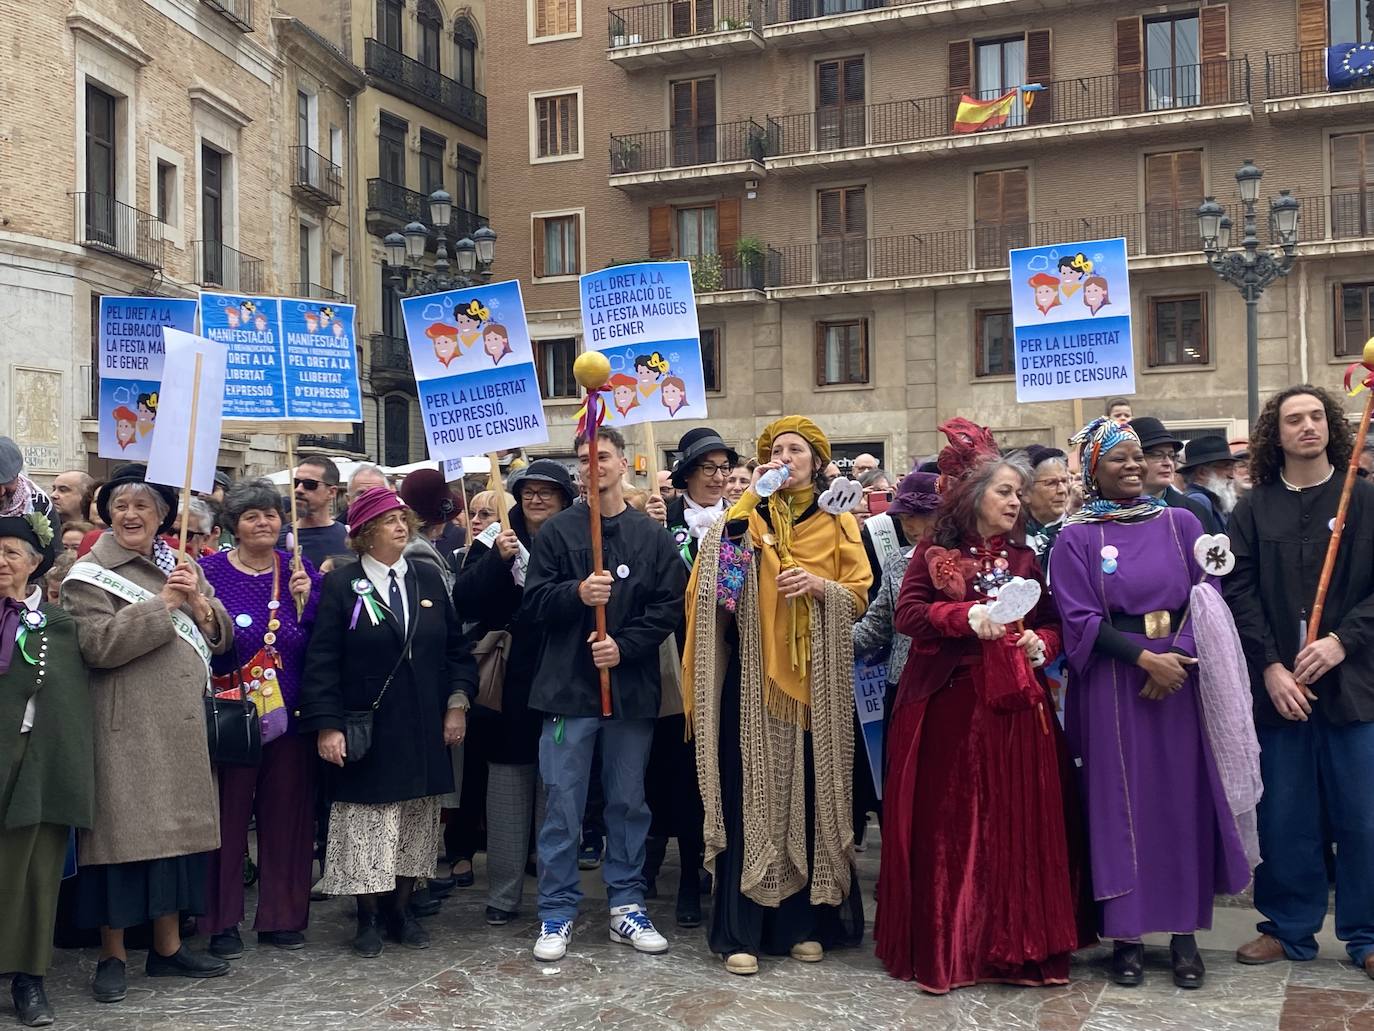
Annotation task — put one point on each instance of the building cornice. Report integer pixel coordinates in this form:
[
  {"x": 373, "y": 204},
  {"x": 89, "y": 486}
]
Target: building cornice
[
  {"x": 219, "y": 106},
  {"x": 114, "y": 38}
]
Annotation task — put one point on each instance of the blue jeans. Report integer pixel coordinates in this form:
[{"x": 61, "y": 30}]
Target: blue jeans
[
  {"x": 566, "y": 770},
  {"x": 1318, "y": 779}
]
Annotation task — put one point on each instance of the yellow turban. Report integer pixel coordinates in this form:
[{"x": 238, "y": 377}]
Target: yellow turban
[{"x": 800, "y": 425}]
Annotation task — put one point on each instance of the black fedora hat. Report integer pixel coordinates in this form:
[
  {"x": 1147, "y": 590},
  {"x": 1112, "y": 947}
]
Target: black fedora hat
[
  {"x": 28, "y": 528},
  {"x": 136, "y": 472},
  {"x": 1205, "y": 450},
  {"x": 1152, "y": 433},
  {"x": 544, "y": 470},
  {"x": 692, "y": 448}
]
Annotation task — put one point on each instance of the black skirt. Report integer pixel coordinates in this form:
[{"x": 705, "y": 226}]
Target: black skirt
[
  {"x": 738, "y": 923},
  {"x": 128, "y": 894}
]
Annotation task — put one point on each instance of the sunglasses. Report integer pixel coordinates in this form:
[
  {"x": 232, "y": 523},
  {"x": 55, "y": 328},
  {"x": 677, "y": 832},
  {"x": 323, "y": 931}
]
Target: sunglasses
[{"x": 309, "y": 484}]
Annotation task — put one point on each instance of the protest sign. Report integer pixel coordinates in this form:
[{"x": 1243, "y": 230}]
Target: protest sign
[
  {"x": 192, "y": 409},
  {"x": 643, "y": 318},
  {"x": 1071, "y": 307},
  {"x": 319, "y": 341},
  {"x": 870, "y": 690},
  {"x": 130, "y": 369},
  {"x": 474, "y": 370},
  {"x": 250, "y": 330}
]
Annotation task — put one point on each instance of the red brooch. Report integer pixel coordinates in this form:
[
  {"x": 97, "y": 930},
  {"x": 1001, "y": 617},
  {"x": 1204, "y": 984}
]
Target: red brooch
[{"x": 945, "y": 572}]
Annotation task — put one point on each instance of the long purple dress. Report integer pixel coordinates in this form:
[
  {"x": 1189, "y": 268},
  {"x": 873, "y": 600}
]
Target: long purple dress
[{"x": 1163, "y": 841}]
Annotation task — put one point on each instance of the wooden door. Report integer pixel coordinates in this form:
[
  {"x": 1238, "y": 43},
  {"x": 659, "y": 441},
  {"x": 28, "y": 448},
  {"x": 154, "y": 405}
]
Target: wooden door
[
  {"x": 1001, "y": 215},
  {"x": 840, "y": 103},
  {"x": 1173, "y": 191},
  {"x": 842, "y": 234},
  {"x": 694, "y": 122}
]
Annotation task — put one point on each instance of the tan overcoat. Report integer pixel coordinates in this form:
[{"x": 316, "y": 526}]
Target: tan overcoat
[{"x": 155, "y": 793}]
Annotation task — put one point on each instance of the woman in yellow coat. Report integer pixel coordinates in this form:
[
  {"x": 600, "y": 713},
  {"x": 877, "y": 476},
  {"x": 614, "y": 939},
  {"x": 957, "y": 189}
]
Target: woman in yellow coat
[{"x": 768, "y": 687}]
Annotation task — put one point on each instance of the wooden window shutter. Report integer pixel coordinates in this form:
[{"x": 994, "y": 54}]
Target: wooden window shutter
[
  {"x": 987, "y": 198},
  {"x": 1348, "y": 170},
  {"x": 682, "y": 17},
  {"x": 1015, "y": 197},
  {"x": 661, "y": 231},
  {"x": 1130, "y": 66},
  {"x": 1188, "y": 179},
  {"x": 727, "y": 229},
  {"x": 541, "y": 17},
  {"x": 960, "y": 80},
  {"x": 1040, "y": 68},
  {"x": 830, "y": 216},
  {"x": 575, "y": 227},
  {"x": 1214, "y": 49},
  {"x": 820, "y": 354},
  {"x": 1313, "y": 34},
  {"x": 855, "y": 213},
  {"x": 539, "y": 254}
]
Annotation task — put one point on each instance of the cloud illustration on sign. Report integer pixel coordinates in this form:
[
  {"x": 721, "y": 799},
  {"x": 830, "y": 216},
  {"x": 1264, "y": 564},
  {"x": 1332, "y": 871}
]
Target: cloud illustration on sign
[{"x": 1038, "y": 263}]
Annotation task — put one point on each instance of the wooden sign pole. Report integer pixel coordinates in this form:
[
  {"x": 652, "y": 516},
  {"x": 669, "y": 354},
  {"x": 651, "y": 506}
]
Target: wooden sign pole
[
  {"x": 496, "y": 484},
  {"x": 295, "y": 517},
  {"x": 190, "y": 461}
]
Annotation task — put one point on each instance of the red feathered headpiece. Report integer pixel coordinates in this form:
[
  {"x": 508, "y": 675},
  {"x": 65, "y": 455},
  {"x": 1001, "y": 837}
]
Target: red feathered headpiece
[{"x": 968, "y": 445}]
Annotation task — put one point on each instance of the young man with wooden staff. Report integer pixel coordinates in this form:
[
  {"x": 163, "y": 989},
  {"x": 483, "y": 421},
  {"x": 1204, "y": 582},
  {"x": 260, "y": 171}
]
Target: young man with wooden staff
[{"x": 1313, "y": 684}]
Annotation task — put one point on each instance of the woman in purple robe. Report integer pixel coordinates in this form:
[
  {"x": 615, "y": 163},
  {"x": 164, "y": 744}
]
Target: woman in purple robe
[{"x": 1163, "y": 840}]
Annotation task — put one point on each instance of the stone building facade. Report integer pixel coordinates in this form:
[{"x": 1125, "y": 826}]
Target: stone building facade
[{"x": 851, "y": 249}]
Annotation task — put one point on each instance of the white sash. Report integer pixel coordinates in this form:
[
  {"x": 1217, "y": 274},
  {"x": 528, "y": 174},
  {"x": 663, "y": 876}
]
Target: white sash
[
  {"x": 883, "y": 532},
  {"x": 121, "y": 587}
]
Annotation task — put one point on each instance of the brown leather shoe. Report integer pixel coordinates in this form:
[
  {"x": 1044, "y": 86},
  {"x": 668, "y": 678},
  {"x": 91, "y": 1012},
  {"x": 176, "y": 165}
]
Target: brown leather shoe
[
  {"x": 1369, "y": 964},
  {"x": 1264, "y": 949}
]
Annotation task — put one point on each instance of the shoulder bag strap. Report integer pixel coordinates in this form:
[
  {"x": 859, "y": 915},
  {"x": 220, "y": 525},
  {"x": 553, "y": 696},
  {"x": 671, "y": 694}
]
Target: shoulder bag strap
[{"x": 405, "y": 654}]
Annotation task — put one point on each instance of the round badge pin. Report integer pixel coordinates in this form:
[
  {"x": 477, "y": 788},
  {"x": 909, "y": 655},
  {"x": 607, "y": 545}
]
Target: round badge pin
[
  {"x": 1110, "y": 552},
  {"x": 243, "y": 621},
  {"x": 1109, "y": 566},
  {"x": 269, "y": 674},
  {"x": 274, "y": 625},
  {"x": 622, "y": 570},
  {"x": 35, "y": 619},
  {"x": 269, "y": 638},
  {"x": 255, "y": 672},
  {"x": 1331, "y": 525},
  {"x": 362, "y": 586},
  {"x": 274, "y": 605}
]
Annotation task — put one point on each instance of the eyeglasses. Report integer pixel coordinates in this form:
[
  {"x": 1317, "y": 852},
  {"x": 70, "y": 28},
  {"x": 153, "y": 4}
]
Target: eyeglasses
[
  {"x": 1161, "y": 456},
  {"x": 539, "y": 494},
  {"x": 307, "y": 484},
  {"x": 715, "y": 470},
  {"x": 484, "y": 513}
]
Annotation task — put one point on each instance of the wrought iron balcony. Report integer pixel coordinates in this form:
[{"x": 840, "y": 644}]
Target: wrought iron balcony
[
  {"x": 101, "y": 221},
  {"x": 316, "y": 177},
  {"x": 1299, "y": 73},
  {"x": 425, "y": 87},
  {"x": 218, "y": 264},
  {"x": 778, "y": 11},
  {"x": 390, "y": 363},
  {"x": 692, "y": 147},
  {"x": 390, "y": 208},
  {"x": 1061, "y": 102},
  {"x": 238, "y": 12},
  {"x": 667, "y": 31},
  {"x": 316, "y": 291}
]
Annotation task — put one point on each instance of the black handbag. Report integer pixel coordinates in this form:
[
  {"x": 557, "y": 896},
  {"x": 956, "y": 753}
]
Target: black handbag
[
  {"x": 233, "y": 730},
  {"x": 358, "y": 722}
]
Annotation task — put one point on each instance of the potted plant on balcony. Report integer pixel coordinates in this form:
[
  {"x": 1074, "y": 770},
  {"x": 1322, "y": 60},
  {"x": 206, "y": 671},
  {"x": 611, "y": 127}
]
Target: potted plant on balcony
[
  {"x": 750, "y": 252},
  {"x": 707, "y": 274},
  {"x": 625, "y": 158},
  {"x": 733, "y": 24},
  {"x": 758, "y": 143},
  {"x": 619, "y": 37}
]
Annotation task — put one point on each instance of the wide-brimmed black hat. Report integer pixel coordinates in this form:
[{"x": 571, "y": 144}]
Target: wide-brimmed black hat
[
  {"x": 1152, "y": 433},
  {"x": 26, "y": 528},
  {"x": 545, "y": 470},
  {"x": 1205, "y": 450},
  {"x": 692, "y": 448},
  {"x": 136, "y": 472}
]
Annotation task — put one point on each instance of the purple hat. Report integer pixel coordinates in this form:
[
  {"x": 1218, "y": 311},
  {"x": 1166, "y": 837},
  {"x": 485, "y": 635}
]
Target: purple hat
[
  {"x": 371, "y": 503},
  {"x": 916, "y": 495}
]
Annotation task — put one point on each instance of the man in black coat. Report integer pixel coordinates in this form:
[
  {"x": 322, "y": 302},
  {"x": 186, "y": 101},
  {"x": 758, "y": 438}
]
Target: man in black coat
[
  {"x": 1161, "y": 462},
  {"x": 642, "y": 591}
]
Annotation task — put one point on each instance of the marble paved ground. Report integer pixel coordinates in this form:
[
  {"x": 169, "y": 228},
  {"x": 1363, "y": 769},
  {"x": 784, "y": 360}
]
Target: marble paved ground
[{"x": 480, "y": 977}]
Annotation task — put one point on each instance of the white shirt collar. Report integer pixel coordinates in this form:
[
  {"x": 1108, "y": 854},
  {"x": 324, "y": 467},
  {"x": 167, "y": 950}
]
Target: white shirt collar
[
  {"x": 34, "y": 599},
  {"x": 692, "y": 506},
  {"x": 376, "y": 570}
]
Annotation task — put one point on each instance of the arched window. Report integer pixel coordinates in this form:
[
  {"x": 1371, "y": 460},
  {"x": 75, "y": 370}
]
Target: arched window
[
  {"x": 396, "y": 449},
  {"x": 465, "y": 52},
  {"x": 431, "y": 22}
]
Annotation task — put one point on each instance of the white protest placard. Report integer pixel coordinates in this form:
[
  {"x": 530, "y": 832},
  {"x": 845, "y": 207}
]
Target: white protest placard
[{"x": 180, "y": 394}]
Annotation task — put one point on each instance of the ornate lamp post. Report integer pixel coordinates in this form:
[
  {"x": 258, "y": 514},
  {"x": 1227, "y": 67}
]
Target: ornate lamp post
[
  {"x": 404, "y": 250},
  {"x": 1253, "y": 267}
]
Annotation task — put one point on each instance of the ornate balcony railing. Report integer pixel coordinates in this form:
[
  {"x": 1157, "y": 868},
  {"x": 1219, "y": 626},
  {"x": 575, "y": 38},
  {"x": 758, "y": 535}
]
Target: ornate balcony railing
[
  {"x": 1061, "y": 101},
  {"x": 679, "y": 19},
  {"x": 111, "y": 225},
  {"x": 687, "y": 147},
  {"x": 1297, "y": 73},
  {"x": 218, "y": 264},
  {"x": 437, "y": 93},
  {"x": 391, "y": 208},
  {"x": 316, "y": 176}
]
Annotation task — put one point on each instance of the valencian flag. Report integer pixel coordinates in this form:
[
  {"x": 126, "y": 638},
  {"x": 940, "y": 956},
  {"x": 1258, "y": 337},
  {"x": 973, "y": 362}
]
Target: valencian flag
[
  {"x": 1349, "y": 65},
  {"x": 977, "y": 115}
]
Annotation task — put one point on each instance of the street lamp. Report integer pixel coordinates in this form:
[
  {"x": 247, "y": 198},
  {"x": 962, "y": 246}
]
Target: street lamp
[
  {"x": 406, "y": 249},
  {"x": 1253, "y": 267}
]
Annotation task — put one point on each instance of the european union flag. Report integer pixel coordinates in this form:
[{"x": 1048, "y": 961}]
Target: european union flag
[{"x": 1349, "y": 65}]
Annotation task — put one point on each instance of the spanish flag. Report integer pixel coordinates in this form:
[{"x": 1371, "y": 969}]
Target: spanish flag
[{"x": 977, "y": 115}]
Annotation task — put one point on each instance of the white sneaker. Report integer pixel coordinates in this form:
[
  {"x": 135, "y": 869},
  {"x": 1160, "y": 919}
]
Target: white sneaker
[
  {"x": 630, "y": 925},
  {"x": 554, "y": 936}
]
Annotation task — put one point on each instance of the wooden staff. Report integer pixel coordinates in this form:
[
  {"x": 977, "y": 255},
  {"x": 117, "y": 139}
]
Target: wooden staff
[
  {"x": 652, "y": 448},
  {"x": 295, "y": 532},
  {"x": 592, "y": 369},
  {"x": 495, "y": 483},
  {"x": 190, "y": 461},
  {"x": 1323, "y": 585}
]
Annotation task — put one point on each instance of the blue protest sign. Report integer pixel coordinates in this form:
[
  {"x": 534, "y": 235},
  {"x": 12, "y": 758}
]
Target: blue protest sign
[
  {"x": 321, "y": 361},
  {"x": 644, "y": 319},
  {"x": 130, "y": 369},
  {"x": 250, "y": 327},
  {"x": 870, "y": 689},
  {"x": 474, "y": 369},
  {"x": 1071, "y": 307}
]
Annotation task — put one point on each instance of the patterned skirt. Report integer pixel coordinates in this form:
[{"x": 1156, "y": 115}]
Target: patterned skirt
[{"x": 371, "y": 845}]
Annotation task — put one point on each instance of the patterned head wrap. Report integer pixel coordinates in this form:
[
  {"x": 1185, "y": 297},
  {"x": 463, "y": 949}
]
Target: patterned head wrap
[{"x": 1095, "y": 440}]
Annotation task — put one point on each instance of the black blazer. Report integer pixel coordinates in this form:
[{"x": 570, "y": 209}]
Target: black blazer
[{"x": 345, "y": 670}]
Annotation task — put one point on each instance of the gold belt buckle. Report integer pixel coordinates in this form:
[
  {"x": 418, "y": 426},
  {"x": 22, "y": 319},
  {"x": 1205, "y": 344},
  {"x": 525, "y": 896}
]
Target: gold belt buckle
[{"x": 1158, "y": 624}]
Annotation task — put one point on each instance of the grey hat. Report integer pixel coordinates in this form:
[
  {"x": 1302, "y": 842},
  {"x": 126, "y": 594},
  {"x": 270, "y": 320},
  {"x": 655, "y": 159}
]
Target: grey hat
[{"x": 11, "y": 460}]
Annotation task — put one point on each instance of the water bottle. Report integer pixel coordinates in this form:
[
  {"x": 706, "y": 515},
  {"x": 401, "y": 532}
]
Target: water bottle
[{"x": 770, "y": 481}]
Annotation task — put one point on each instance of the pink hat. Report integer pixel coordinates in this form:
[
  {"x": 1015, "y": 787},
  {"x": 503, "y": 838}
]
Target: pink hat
[{"x": 371, "y": 503}]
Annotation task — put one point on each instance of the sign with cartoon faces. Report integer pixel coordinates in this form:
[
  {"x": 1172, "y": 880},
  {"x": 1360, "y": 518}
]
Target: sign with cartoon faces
[{"x": 132, "y": 349}]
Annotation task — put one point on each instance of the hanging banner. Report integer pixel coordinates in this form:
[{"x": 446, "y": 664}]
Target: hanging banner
[
  {"x": 1071, "y": 307},
  {"x": 319, "y": 341},
  {"x": 131, "y": 353},
  {"x": 474, "y": 370},
  {"x": 644, "y": 319},
  {"x": 870, "y": 690},
  {"x": 179, "y": 439}
]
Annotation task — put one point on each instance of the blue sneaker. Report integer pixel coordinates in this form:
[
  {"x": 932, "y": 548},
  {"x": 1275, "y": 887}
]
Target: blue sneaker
[{"x": 554, "y": 936}]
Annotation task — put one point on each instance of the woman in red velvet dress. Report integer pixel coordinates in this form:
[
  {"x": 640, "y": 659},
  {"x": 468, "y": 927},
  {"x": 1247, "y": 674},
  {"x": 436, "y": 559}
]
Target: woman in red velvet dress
[{"x": 979, "y": 878}]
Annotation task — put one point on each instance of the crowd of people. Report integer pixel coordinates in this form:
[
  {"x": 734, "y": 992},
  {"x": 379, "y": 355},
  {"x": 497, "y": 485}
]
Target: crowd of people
[{"x": 1104, "y": 703}]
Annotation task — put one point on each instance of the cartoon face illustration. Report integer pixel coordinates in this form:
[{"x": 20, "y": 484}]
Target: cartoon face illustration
[
  {"x": 673, "y": 394},
  {"x": 1046, "y": 289},
  {"x": 496, "y": 342},
  {"x": 337, "y": 327},
  {"x": 126, "y": 426},
  {"x": 1068, "y": 272},
  {"x": 147, "y": 412},
  {"x": 647, "y": 374},
  {"x": 260, "y": 322},
  {"x": 312, "y": 321},
  {"x": 623, "y": 393},
  {"x": 231, "y": 316},
  {"x": 1095, "y": 294},
  {"x": 326, "y": 316},
  {"x": 470, "y": 317},
  {"x": 467, "y": 326},
  {"x": 445, "y": 340}
]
